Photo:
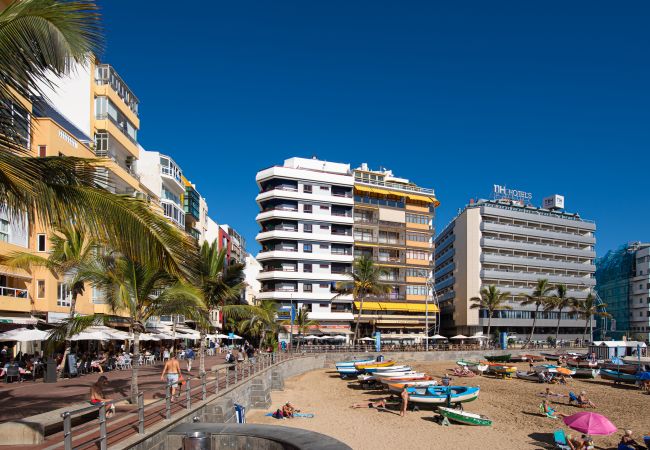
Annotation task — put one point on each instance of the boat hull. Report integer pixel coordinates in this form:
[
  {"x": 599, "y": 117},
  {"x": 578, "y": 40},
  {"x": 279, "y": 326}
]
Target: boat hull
[
  {"x": 527, "y": 376},
  {"x": 586, "y": 373},
  {"x": 438, "y": 395},
  {"x": 618, "y": 377},
  {"x": 498, "y": 358},
  {"x": 464, "y": 417}
]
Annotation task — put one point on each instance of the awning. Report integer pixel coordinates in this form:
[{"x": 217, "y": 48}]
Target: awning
[
  {"x": 327, "y": 330},
  {"x": 19, "y": 320},
  {"x": 14, "y": 272},
  {"x": 423, "y": 198},
  {"x": 407, "y": 307},
  {"x": 378, "y": 190}
]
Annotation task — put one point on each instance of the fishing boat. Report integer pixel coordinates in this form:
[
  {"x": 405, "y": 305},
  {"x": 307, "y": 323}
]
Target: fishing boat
[
  {"x": 387, "y": 369},
  {"x": 551, "y": 356},
  {"x": 625, "y": 368},
  {"x": 582, "y": 372},
  {"x": 582, "y": 363},
  {"x": 440, "y": 395},
  {"x": 391, "y": 375},
  {"x": 504, "y": 371},
  {"x": 551, "y": 368},
  {"x": 373, "y": 364},
  {"x": 400, "y": 385},
  {"x": 480, "y": 369},
  {"x": 618, "y": 377},
  {"x": 518, "y": 358},
  {"x": 341, "y": 364},
  {"x": 365, "y": 377},
  {"x": 457, "y": 415},
  {"x": 463, "y": 362},
  {"x": 535, "y": 358},
  {"x": 530, "y": 376},
  {"x": 498, "y": 358}
]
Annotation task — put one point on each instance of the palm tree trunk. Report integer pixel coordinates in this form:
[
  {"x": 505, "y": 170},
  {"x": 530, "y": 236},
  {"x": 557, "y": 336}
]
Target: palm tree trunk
[
  {"x": 68, "y": 342},
  {"x": 532, "y": 330},
  {"x": 262, "y": 337},
  {"x": 356, "y": 327},
  {"x": 135, "y": 367},
  {"x": 489, "y": 324},
  {"x": 202, "y": 352},
  {"x": 584, "y": 333},
  {"x": 557, "y": 329}
]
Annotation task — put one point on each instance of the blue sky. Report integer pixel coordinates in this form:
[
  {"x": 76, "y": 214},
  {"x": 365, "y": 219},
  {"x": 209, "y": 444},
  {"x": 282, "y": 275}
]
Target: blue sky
[{"x": 548, "y": 97}]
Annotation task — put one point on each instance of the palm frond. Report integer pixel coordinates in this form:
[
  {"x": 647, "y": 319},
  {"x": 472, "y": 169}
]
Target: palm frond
[{"x": 73, "y": 325}]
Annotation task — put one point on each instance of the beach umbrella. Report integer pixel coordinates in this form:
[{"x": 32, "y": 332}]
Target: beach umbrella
[
  {"x": 100, "y": 333},
  {"x": 221, "y": 336},
  {"x": 437, "y": 336},
  {"x": 145, "y": 337},
  {"x": 24, "y": 335},
  {"x": 478, "y": 336},
  {"x": 459, "y": 336},
  {"x": 590, "y": 423},
  {"x": 564, "y": 371},
  {"x": 339, "y": 338},
  {"x": 367, "y": 339},
  {"x": 310, "y": 337}
]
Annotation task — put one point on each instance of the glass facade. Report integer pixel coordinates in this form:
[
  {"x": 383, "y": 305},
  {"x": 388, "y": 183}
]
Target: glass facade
[
  {"x": 613, "y": 272},
  {"x": 105, "y": 109},
  {"x": 192, "y": 202}
]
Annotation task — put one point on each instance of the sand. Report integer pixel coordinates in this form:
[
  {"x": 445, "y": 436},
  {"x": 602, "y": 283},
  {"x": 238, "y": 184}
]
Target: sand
[{"x": 511, "y": 404}]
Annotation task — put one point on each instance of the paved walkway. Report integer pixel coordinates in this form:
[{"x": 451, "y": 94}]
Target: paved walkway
[{"x": 18, "y": 400}]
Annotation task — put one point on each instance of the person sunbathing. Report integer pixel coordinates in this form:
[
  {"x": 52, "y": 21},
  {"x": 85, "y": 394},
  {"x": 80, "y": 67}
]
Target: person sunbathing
[
  {"x": 378, "y": 404},
  {"x": 287, "y": 411},
  {"x": 580, "y": 443},
  {"x": 581, "y": 400},
  {"x": 628, "y": 443},
  {"x": 549, "y": 393},
  {"x": 548, "y": 411}
]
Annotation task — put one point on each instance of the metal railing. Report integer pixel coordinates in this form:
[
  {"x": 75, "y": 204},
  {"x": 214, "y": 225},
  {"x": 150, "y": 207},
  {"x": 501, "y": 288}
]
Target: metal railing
[
  {"x": 13, "y": 292},
  {"x": 191, "y": 388}
]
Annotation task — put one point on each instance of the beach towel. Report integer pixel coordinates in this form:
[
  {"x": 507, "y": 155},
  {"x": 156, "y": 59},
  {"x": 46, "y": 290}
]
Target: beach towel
[
  {"x": 550, "y": 413},
  {"x": 301, "y": 415},
  {"x": 573, "y": 398}
]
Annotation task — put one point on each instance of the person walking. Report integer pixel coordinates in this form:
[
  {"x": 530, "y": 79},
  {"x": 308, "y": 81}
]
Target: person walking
[
  {"x": 189, "y": 356},
  {"x": 405, "y": 402},
  {"x": 173, "y": 371}
]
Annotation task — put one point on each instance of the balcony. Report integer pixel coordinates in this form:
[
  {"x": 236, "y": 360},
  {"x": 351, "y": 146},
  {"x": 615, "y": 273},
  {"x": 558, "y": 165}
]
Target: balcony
[
  {"x": 106, "y": 75},
  {"x": 13, "y": 292},
  {"x": 535, "y": 247},
  {"x": 537, "y": 232},
  {"x": 392, "y": 185},
  {"x": 494, "y": 274}
]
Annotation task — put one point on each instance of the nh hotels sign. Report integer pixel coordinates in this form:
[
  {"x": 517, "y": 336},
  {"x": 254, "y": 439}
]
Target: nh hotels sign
[{"x": 513, "y": 194}]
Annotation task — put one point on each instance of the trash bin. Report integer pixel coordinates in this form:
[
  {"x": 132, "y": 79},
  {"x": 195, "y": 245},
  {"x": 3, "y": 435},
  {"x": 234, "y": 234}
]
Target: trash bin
[
  {"x": 240, "y": 413},
  {"x": 196, "y": 440},
  {"x": 49, "y": 376}
]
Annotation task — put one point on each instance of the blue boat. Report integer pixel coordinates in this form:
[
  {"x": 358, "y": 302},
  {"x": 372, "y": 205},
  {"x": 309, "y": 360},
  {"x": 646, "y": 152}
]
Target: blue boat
[
  {"x": 353, "y": 362},
  {"x": 440, "y": 395},
  {"x": 618, "y": 377}
]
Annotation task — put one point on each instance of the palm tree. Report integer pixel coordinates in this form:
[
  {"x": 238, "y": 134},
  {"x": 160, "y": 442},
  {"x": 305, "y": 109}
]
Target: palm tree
[
  {"x": 38, "y": 39},
  {"x": 302, "y": 323},
  {"x": 137, "y": 293},
  {"x": 491, "y": 299},
  {"x": 220, "y": 284},
  {"x": 559, "y": 301},
  {"x": 588, "y": 308},
  {"x": 258, "y": 325},
  {"x": 537, "y": 298},
  {"x": 366, "y": 281},
  {"x": 72, "y": 250}
]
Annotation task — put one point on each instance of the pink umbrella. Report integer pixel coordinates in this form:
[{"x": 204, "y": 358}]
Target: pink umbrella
[{"x": 590, "y": 423}]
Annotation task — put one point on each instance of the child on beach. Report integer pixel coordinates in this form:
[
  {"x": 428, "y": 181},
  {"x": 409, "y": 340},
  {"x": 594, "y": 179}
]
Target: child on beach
[{"x": 405, "y": 402}]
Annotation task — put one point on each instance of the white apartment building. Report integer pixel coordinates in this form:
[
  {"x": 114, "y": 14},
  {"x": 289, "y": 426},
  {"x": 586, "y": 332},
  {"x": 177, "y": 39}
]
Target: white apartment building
[
  {"x": 306, "y": 237},
  {"x": 161, "y": 174},
  {"x": 639, "y": 302},
  {"x": 251, "y": 274},
  {"x": 512, "y": 245}
]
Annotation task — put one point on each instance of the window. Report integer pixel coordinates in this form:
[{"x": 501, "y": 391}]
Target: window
[
  {"x": 4, "y": 230},
  {"x": 306, "y": 228},
  {"x": 306, "y": 287},
  {"x": 42, "y": 151},
  {"x": 363, "y": 235},
  {"x": 416, "y": 290},
  {"x": 417, "y": 254},
  {"x": 324, "y": 246},
  {"x": 324, "y": 227},
  {"x": 324, "y": 188},
  {"x": 306, "y": 209},
  {"x": 307, "y": 188},
  {"x": 324, "y": 207},
  {"x": 417, "y": 237},
  {"x": 324, "y": 285},
  {"x": 40, "y": 242},
  {"x": 306, "y": 267},
  {"x": 98, "y": 296},
  {"x": 63, "y": 295},
  {"x": 306, "y": 248},
  {"x": 40, "y": 289},
  {"x": 324, "y": 266},
  {"x": 422, "y": 273},
  {"x": 417, "y": 218}
]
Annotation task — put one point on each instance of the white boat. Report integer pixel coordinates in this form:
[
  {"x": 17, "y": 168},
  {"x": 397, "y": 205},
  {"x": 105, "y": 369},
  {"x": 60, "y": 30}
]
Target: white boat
[
  {"x": 410, "y": 374},
  {"x": 380, "y": 375}
]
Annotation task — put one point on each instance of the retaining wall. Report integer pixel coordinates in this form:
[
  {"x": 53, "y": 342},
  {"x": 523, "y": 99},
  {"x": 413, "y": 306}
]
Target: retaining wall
[{"x": 254, "y": 392}]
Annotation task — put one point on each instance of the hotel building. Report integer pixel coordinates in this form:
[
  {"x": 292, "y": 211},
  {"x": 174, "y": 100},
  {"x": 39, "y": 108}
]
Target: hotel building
[
  {"x": 306, "y": 236},
  {"x": 511, "y": 245},
  {"x": 393, "y": 225},
  {"x": 623, "y": 283}
]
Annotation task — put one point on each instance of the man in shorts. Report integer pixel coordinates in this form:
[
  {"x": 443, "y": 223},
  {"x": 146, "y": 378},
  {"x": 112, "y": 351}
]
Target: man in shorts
[
  {"x": 173, "y": 371},
  {"x": 189, "y": 356},
  {"x": 97, "y": 396}
]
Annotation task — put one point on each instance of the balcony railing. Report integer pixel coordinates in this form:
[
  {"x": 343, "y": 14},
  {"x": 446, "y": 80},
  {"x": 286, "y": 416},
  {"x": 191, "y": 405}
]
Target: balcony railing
[
  {"x": 341, "y": 214},
  {"x": 280, "y": 208},
  {"x": 390, "y": 184},
  {"x": 280, "y": 269},
  {"x": 341, "y": 233},
  {"x": 279, "y": 249},
  {"x": 105, "y": 74},
  {"x": 342, "y": 194},
  {"x": 281, "y": 188},
  {"x": 341, "y": 252},
  {"x": 281, "y": 289},
  {"x": 13, "y": 292},
  {"x": 279, "y": 229}
]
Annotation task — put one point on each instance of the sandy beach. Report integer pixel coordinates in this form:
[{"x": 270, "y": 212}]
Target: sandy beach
[{"x": 511, "y": 404}]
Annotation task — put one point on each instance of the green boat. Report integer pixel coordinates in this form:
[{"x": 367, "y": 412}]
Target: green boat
[
  {"x": 498, "y": 358},
  {"x": 467, "y": 418},
  {"x": 463, "y": 362}
]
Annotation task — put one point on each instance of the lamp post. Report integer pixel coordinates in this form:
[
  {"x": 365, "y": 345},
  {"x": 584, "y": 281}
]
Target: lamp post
[{"x": 291, "y": 331}]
